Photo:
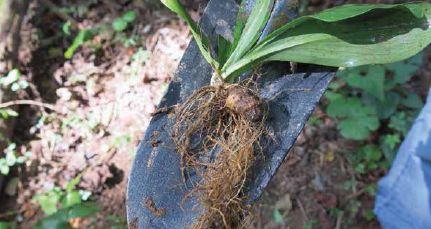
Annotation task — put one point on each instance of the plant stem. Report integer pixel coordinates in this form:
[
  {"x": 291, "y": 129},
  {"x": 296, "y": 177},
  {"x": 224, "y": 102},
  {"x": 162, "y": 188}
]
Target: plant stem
[
  {"x": 27, "y": 102},
  {"x": 339, "y": 220},
  {"x": 10, "y": 213},
  {"x": 216, "y": 78}
]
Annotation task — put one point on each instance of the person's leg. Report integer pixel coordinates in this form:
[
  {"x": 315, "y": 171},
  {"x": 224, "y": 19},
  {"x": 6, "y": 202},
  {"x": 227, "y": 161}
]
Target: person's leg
[{"x": 404, "y": 196}]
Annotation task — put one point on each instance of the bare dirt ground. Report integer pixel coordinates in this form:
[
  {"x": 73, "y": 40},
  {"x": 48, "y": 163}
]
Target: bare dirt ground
[
  {"x": 103, "y": 98},
  {"x": 310, "y": 188}
]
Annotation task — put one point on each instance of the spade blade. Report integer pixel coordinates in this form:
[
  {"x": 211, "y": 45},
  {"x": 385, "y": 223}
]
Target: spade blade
[{"x": 156, "y": 195}]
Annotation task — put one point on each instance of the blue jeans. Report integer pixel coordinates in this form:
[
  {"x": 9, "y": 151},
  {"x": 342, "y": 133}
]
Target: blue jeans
[{"x": 404, "y": 195}]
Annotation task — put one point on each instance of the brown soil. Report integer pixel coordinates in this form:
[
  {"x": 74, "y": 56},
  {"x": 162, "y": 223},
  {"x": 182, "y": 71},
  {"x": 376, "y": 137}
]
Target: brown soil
[
  {"x": 310, "y": 186},
  {"x": 151, "y": 206}
]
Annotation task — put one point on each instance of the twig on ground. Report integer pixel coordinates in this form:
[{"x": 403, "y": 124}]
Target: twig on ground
[
  {"x": 354, "y": 195},
  {"x": 10, "y": 213},
  {"x": 27, "y": 102},
  {"x": 100, "y": 160},
  {"x": 301, "y": 207},
  {"x": 339, "y": 220}
]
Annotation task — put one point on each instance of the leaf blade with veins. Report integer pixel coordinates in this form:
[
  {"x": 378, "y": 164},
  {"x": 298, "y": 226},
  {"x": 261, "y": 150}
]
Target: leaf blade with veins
[{"x": 346, "y": 36}]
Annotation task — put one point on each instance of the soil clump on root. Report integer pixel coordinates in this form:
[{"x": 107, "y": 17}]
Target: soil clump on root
[{"x": 217, "y": 132}]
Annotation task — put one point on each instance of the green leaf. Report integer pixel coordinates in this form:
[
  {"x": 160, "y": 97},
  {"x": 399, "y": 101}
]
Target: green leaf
[
  {"x": 358, "y": 128},
  {"x": 10, "y": 158},
  {"x": 119, "y": 24},
  {"x": 60, "y": 219},
  {"x": 310, "y": 223},
  {"x": 83, "y": 210},
  {"x": 354, "y": 206},
  {"x": 6, "y": 113},
  {"x": 11, "y": 147},
  {"x": 369, "y": 214},
  {"x": 83, "y": 36},
  {"x": 201, "y": 39},
  {"x": 388, "y": 145},
  {"x": 20, "y": 159},
  {"x": 11, "y": 113},
  {"x": 372, "y": 153},
  {"x": 332, "y": 96},
  {"x": 346, "y": 36},
  {"x": 57, "y": 221},
  {"x": 71, "y": 199},
  {"x": 348, "y": 185},
  {"x": 252, "y": 30},
  {"x": 66, "y": 28},
  {"x": 4, "y": 167},
  {"x": 372, "y": 165},
  {"x": 129, "y": 16},
  {"x": 335, "y": 85},
  {"x": 278, "y": 217},
  {"x": 392, "y": 140},
  {"x": 241, "y": 19},
  {"x": 223, "y": 49},
  {"x": 13, "y": 76},
  {"x": 335, "y": 212},
  {"x": 357, "y": 120},
  {"x": 70, "y": 186},
  {"x": 15, "y": 87},
  {"x": 371, "y": 79},
  {"x": 7, "y": 225},
  {"x": 401, "y": 122},
  {"x": 412, "y": 101},
  {"x": 384, "y": 108},
  {"x": 360, "y": 168},
  {"x": 371, "y": 189},
  {"x": 48, "y": 202},
  {"x": 344, "y": 107},
  {"x": 404, "y": 70}
]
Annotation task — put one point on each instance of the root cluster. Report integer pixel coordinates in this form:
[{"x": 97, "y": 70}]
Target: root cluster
[{"x": 217, "y": 133}]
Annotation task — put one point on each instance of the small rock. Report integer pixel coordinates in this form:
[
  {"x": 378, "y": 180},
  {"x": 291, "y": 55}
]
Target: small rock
[
  {"x": 64, "y": 94},
  {"x": 300, "y": 151},
  {"x": 317, "y": 183},
  {"x": 284, "y": 204},
  {"x": 147, "y": 29}
]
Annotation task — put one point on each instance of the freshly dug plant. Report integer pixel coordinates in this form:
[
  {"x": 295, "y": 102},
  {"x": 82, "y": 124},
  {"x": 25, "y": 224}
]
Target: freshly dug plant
[
  {"x": 226, "y": 120},
  {"x": 218, "y": 128}
]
